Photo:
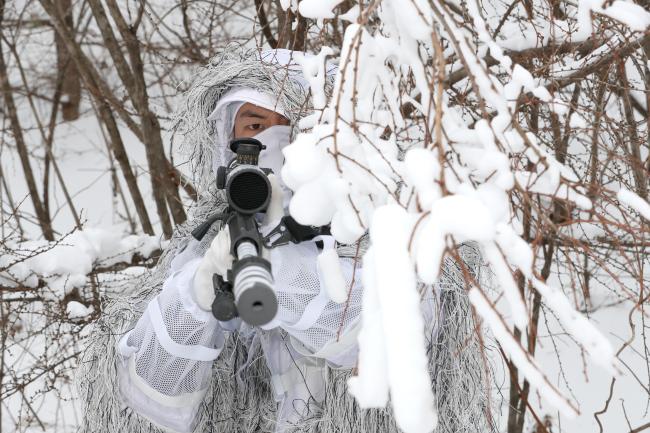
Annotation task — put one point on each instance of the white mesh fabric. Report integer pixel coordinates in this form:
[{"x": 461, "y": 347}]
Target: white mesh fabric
[
  {"x": 174, "y": 356},
  {"x": 162, "y": 377},
  {"x": 175, "y": 419},
  {"x": 303, "y": 311}
]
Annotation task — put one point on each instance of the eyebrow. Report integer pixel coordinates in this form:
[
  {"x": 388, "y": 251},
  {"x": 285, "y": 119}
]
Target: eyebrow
[{"x": 249, "y": 113}]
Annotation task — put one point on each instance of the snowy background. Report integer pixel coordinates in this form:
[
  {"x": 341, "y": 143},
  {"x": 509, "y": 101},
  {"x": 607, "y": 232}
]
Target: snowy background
[{"x": 520, "y": 126}]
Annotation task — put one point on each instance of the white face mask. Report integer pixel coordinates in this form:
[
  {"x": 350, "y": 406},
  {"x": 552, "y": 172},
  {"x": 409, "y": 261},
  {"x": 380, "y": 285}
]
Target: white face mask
[{"x": 275, "y": 139}]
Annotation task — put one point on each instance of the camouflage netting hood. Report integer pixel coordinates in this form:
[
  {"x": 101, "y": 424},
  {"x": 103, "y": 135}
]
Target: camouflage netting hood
[
  {"x": 275, "y": 72},
  {"x": 240, "y": 397}
]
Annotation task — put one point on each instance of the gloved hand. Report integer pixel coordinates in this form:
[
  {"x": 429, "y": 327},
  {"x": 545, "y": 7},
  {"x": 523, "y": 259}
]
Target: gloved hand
[{"x": 218, "y": 260}]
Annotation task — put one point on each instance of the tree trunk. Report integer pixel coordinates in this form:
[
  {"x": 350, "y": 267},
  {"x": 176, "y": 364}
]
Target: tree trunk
[
  {"x": 119, "y": 152},
  {"x": 151, "y": 133},
  {"x": 42, "y": 216},
  {"x": 101, "y": 94},
  {"x": 71, "y": 84}
]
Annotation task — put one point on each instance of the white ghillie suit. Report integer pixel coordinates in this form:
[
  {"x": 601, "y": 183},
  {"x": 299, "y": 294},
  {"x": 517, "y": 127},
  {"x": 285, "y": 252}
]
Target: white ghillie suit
[{"x": 155, "y": 356}]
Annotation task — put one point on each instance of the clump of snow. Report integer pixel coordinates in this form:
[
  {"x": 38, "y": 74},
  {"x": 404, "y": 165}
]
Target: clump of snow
[
  {"x": 632, "y": 15},
  {"x": 330, "y": 272},
  {"x": 77, "y": 310},
  {"x": 583, "y": 330},
  {"x": 635, "y": 202},
  {"x": 370, "y": 385},
  {"x": 402, "y": 353},
  {"x": 315, "y": 69},
  {"x": 351, "y": 15},
  {"x": 516, "y": 354},
  {"x": 286, "y": 4},
  {"x": 422, "y": 169},
  {"x": 318, "y": 9},
  {"x": 65, "y": 263}
]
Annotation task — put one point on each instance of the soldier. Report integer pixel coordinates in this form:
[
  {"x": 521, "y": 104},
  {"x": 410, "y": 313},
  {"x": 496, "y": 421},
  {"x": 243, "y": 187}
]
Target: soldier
[{"x": 159, "y": 359}]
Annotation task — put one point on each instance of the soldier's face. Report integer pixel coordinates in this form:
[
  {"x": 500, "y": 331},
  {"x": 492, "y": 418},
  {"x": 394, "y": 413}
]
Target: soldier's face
[{"x": 251, "y": 120}]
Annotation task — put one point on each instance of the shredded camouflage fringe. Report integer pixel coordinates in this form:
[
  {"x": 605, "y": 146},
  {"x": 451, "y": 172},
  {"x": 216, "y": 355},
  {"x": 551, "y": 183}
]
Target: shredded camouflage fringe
[{"x": 240, "y": 400}]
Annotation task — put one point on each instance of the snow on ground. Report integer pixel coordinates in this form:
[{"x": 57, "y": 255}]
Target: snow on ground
[
  {"x": 586, "y": 387},
  {"x": 86, "y": 170},
  {"x": 590, "y": 390},
  {"x": 104, "y": 240}
]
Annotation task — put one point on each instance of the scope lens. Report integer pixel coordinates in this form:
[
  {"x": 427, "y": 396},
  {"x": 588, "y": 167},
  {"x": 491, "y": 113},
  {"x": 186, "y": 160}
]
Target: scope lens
[{"x": 249, "y": 190}]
